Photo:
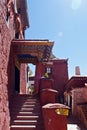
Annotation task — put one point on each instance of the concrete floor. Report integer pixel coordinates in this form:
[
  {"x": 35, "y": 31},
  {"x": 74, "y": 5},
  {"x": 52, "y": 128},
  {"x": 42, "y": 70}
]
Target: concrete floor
[{"x": 75, "y": 124}]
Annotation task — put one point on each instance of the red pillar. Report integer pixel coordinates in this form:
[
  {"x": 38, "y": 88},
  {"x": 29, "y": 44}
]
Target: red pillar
[
  {"x": 37, "y": 77},
  {"x": 23, "y": 78}
]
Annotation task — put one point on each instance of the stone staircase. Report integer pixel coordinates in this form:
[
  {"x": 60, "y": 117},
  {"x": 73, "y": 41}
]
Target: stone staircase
[{"x": 25, "y": 112}]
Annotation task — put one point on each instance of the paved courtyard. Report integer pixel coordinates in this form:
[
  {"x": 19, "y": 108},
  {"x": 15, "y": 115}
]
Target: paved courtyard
[{"x": 75, "y": 124}]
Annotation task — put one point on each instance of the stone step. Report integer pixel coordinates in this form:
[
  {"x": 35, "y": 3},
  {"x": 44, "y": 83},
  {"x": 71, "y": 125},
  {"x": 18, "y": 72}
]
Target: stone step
[
  {"x": 25, "y": 102},
  {"x": 27, "y": 117},
  {"x": 30, "y": 110},
  {"x": 31, "y": 105},
  {"x": 23, "y": 127},
  {"x": 31, "y": 102},
  {"x": 26, "y": 127},
  {"x": 26, "y": 106},
  {"x": 26, "y": 114},
  {"x": 27, "y": 122}
]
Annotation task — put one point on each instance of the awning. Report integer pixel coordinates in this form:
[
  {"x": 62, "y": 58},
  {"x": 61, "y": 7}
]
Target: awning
[{"x": 32, "y": 51}]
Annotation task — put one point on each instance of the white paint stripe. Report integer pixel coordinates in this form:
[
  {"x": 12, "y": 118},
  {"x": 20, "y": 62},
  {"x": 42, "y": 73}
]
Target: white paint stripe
[
  {"x": 27, "y": 108},
  {"x": 27, "y": 116},
  {"x": 30, "y": 121},
  {"x": 23, "y": 126}
]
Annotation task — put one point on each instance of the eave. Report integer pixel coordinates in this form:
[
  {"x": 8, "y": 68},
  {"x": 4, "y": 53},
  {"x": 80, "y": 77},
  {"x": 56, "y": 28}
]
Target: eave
[
  {"x": 32, "y": 51},
  {"x": 76, "y": 82}
]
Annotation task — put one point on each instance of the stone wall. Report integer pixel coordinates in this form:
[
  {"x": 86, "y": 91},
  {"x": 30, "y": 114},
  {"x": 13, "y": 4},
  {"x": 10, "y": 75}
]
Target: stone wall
[
  {"x": 6, "y": 35},
  {"x": 78, "y": 96}
]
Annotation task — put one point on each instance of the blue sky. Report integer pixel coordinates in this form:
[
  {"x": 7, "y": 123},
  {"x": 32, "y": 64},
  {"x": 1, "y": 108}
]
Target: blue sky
[{"x": 65, "y": 23}]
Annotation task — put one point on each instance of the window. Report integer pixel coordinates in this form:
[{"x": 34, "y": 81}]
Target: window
[{"x": 49, "y": 70}]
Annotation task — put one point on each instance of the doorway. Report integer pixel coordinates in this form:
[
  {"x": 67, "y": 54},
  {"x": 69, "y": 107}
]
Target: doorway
[{"x": 17, "y": 80}]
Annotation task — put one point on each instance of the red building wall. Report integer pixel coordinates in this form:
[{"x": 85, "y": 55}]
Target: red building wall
[
  {"x": 6, "y": 36},
  {"x": 60, "y": 74},
  {"x": 11, "y": 74}
]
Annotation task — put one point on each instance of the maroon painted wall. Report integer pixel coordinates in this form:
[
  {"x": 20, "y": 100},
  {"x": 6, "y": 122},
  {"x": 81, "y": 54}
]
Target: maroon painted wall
[
  {"x": 6, "y": 36},
  {"x": 11, "y": 74},
  {"x": 60, "y": 74}
]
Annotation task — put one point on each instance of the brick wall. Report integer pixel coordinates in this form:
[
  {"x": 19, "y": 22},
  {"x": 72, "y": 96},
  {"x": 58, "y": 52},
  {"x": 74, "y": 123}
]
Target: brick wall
[{"x": 6, "y": 35}]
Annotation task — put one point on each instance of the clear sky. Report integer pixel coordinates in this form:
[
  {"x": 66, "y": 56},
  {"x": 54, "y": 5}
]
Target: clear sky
[{"x": 65, "y": 23}]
